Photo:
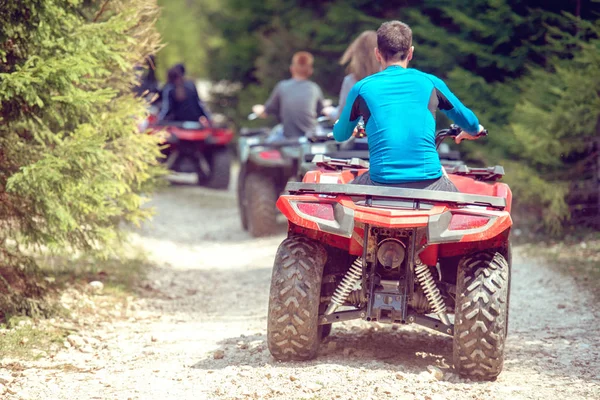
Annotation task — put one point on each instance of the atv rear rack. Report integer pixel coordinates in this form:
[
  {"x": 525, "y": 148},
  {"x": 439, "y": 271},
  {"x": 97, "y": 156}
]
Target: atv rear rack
[
  {"x": 480, "y": 174},
  {"x": 394, "y": 192}
]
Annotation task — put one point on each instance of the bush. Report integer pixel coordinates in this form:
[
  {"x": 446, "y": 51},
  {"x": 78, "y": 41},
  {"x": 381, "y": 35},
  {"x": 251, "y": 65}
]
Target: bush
[{"x": 72, "y": 164}]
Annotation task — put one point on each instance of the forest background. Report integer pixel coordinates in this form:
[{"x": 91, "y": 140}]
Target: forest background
[
  {"x": 529, "y": 69},
  {"x": 74, "y": 168}
]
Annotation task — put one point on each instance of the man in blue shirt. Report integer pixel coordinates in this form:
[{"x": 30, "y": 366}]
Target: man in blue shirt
[{"x": 398, "y": 106}]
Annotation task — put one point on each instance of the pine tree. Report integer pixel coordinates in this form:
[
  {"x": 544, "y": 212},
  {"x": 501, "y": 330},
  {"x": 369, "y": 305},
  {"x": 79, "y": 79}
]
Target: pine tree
[
  {"x": 187, "y": 35},
  {"x": 72, "y": 165},
  {"x": 483, "y": 49},
  {"x": 557, "y": 122}
]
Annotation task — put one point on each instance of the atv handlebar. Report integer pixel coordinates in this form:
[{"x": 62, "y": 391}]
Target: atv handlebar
[
  {"x": 453, "y": 131},
  {"x": 360, "y": 130},
  {"x": 440, "y": 135}
]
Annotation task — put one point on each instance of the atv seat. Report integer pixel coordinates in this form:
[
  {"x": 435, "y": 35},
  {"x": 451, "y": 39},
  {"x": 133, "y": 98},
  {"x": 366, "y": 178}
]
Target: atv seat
[
  {"x": 481, "y": 174},
  {"x": 339, "y": 163}
]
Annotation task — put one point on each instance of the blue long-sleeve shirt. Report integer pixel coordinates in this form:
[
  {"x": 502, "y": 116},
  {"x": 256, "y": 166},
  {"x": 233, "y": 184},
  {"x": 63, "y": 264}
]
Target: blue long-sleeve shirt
[{"x": 398, "y": 106}]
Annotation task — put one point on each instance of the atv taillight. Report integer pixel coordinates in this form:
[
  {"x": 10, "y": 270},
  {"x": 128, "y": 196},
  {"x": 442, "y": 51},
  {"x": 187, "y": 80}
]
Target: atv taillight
[
  {"x": 461, "y": 222},
  {"x": 317, "y": 210},
  {"x": 270, "y": 155}
]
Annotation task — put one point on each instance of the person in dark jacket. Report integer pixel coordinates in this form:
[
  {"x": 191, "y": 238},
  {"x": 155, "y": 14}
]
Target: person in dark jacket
[
  {"x": 181, "y": 101},
  {"x": 148, "y": 86}
]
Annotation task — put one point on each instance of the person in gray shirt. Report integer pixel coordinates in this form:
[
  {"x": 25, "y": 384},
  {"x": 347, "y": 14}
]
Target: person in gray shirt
[{"x": 297, "y": 102}]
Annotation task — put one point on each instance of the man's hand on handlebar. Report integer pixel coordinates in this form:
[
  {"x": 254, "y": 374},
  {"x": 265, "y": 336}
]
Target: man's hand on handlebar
[
  {"x": 328, "y": 111},
  {"x": 259, "y": 110},
  {"x": 204, "y": 121},
  {"x": 359, "y": 131},
  {"x": 468, "y": 136}
]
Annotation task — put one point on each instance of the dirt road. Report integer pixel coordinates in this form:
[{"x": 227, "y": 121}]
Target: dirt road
[{"x": 199, "y": 331}]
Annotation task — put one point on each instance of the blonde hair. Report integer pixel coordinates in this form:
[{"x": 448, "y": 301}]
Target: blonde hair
[
  {"x": 359, "y": 56},
  {"x": 302, "y": 63}
]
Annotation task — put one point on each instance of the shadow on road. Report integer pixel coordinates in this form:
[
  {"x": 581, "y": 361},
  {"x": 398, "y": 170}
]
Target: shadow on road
[{"x": 357, "y": 347}]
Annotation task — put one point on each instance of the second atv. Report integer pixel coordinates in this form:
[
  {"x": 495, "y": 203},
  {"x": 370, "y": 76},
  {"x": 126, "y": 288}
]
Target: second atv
[
  {"x": 194, "y": 148},
  {"x": 267, "y": 165}
]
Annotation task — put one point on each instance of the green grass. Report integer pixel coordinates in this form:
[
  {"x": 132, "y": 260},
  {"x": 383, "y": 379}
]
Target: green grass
[
  {"x": 120, "y": 275},
  {"x": 22, "y": 341}
]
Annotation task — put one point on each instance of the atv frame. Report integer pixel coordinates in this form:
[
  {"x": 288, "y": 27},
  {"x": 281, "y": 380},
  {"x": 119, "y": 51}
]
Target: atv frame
[
  {"x": 191, "y": 147},
  {"x": 394, "y": 255}
]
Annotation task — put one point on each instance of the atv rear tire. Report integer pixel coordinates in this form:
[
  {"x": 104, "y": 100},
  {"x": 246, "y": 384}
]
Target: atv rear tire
[
  {"x": 261, "y": 197},
  {"x": 220, "y": 168},
  {"x": 481, "y": 317},
  {"x": 242, "y": 200},
  {"x": 293, "y": 332}
]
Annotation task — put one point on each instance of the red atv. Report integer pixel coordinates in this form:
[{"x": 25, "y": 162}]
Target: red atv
[
  {"x": 195, "y": 148},
  {"x": 387, "y": 254}
]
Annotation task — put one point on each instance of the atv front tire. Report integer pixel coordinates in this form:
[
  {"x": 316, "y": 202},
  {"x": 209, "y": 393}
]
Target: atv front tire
[
  {"x": 293, "y": 332},
  {"x": 261, "y": 197},
  {"x": 220, "y": 168},
  {"x": 481, "y": 317}
]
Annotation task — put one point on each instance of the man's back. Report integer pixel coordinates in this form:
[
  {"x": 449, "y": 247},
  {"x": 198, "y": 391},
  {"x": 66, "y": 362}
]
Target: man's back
[
  {"x": 399, "y": 106},
  {"x": 297, "y": 103},
  {"x": 182, "y": 104}
]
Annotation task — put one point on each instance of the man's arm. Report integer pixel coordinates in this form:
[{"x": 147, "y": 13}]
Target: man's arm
[
  {"x": 203, "y": 108},
  {"x": 450, "y": 105},
  {"x": 272, "y": 105},
  {"x": 165, "y": 107},
  {"x": 343, "y": 128},
  {"x": 320, "y": 99}
]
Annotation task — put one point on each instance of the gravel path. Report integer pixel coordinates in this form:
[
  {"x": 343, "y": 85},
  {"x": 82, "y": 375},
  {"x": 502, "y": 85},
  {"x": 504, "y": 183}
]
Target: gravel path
[{"x": 199, "y": 331}]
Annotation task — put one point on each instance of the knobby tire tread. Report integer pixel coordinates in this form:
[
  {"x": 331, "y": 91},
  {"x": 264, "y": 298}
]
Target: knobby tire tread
[
  {"x": 481, "y": 317},
  {"x": 220, "y": 169},
  {"x": 241, "y": 197},
  {"x": 293, "y": 332},
  {"x": 261, "y": 212}
]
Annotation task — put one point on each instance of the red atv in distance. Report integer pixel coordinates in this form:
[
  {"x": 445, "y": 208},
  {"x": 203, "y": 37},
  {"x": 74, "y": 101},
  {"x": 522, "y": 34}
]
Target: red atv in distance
[
  {"x": 195, "y": 148},
  {"x": 387, "y": 254}
]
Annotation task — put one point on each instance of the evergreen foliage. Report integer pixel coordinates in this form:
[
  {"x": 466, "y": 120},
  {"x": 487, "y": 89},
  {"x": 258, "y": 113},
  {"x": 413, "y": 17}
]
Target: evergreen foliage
[
  {"x": 72, "y": 164},
  {"x": 557, "y": 120},
  {"x": 187, "y": 35},
  {"x": 489, "y": 52}
]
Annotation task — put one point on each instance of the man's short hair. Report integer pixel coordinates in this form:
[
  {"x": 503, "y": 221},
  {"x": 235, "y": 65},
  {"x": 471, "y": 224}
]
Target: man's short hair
[
  {"x": 303, "y": 58},
  {"x": 394, "y": 39},
  {"x": 302, "y": 62}
]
